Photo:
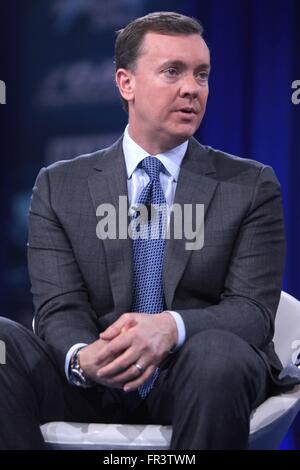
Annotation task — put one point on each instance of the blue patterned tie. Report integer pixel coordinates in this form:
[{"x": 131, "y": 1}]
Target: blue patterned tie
[{"x": 148, "y": 251}]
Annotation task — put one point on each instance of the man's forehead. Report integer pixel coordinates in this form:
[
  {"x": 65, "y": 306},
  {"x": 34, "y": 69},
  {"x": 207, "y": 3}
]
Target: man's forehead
[
  {"x": 153, "y": 37},
  {"x": 174, "y": 46}
]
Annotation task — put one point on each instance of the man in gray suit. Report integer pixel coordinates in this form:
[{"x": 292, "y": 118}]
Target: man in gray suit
[{"x": 140, "y": 331}]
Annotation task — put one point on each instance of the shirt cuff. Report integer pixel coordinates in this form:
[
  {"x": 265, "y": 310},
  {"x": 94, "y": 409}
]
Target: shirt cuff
[
  {"x": 180, "y": 329},
  {"x": 68, "y": 358}
]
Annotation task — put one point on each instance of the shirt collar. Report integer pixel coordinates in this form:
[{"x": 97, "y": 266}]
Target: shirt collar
[{"x": 134, "y": 154}]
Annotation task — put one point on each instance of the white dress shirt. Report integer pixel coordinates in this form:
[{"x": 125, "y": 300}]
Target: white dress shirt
[{"x": 137, "y": 179}]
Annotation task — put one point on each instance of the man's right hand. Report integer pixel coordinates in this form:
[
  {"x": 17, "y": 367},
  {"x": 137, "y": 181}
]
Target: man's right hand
[{"x": 89, "y": 363}]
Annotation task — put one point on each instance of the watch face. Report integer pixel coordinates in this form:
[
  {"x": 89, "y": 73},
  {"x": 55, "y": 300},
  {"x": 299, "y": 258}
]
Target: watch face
[
  {"x": 77, "y": 377},
  {"x": 76, "y": 374}
]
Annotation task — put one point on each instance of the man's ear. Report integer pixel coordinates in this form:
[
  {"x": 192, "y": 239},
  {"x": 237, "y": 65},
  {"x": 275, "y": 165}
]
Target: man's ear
[{"x": 125, "y": 82}]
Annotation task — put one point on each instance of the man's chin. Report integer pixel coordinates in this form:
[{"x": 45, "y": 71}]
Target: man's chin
[
  {"x": 185, "y": 132},
  {"x": 188, "y": 128}
]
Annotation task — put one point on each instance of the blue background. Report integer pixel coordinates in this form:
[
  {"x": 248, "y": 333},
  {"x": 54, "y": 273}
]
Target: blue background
[{"x": 56, "y": 58}]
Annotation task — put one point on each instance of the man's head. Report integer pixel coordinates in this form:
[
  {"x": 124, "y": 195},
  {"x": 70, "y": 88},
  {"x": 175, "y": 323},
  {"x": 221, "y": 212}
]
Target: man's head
[
  {"x": 162, "y": 66},
  {"x": 129, "y": 41}
]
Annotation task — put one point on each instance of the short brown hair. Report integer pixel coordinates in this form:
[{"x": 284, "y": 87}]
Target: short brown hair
[{"x": 130, "y": 38}]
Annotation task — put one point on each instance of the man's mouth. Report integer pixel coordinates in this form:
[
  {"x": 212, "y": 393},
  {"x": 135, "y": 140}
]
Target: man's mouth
[{"x": 187, "y": 110}]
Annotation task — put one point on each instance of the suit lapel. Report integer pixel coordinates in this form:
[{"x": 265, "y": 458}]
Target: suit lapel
[
  {"x": 107, "y": 182},
  {"x": 194, "y": 187}
]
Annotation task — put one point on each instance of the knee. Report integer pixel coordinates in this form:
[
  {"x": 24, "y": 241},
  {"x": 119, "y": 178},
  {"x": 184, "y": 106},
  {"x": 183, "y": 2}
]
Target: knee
[
  {"x": 217, "y": 357},
  {"x": 9, "y": 329}
]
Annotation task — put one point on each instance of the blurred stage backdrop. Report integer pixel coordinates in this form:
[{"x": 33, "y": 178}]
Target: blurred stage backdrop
[{"x": 56, "y": 59}]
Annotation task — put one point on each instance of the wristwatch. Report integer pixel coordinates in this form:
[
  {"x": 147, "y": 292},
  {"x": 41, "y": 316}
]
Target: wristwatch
[{"x": 76, "y": 374}]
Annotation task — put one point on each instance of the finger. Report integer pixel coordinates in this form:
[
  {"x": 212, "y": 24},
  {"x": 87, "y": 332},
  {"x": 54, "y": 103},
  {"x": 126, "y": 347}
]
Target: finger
[
  {"x": 134, "y": 384},
  {"x": 124, "y": 377},
  {"x": 125, "y": 322},
  {"x": 111, "y": 332},
  {"x": 131, "y": 373},
  {"x": 118, "y": 365},
  {"x": 113, "y": 349}
]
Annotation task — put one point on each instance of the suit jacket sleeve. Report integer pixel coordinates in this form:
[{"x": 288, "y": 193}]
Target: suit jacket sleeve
[
  {"x": 63, "y": 314},
  {"x": 252, "y": 286}
]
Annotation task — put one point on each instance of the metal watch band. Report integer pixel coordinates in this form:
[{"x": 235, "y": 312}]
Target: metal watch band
[{"x": 77, "y": 376}]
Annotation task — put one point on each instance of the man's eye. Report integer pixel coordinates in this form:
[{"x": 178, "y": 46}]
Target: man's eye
[
  {"x": 203, "y": 76},
  {"x": 171, "y": 72}
]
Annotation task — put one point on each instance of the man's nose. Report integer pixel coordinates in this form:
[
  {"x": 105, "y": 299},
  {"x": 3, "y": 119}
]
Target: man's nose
[{"x": 189, "y": 87}]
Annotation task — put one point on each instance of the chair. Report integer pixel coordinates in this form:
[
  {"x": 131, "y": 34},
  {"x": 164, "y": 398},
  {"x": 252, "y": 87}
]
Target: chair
[{"x": 268, "y": 426}]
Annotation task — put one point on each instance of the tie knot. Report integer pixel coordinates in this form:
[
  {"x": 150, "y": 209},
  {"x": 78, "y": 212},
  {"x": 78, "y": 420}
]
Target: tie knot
[{"x": 152, "y": 167}]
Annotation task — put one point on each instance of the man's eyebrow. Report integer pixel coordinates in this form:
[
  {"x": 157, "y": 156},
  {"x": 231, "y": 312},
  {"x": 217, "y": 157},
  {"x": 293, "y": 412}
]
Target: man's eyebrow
[{"x": 181, "y": 64}]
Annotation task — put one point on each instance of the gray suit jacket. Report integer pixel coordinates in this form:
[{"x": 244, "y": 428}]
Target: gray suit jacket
[{"x": 81, "y": 284}]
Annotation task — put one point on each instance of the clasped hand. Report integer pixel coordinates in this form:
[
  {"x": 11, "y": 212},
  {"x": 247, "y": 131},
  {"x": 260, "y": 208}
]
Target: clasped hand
[{"x": 135, "y": 338}]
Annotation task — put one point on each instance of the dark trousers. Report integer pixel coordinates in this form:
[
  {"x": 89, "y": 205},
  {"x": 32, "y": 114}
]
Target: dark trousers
[{"x": 206, "y": 391}]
